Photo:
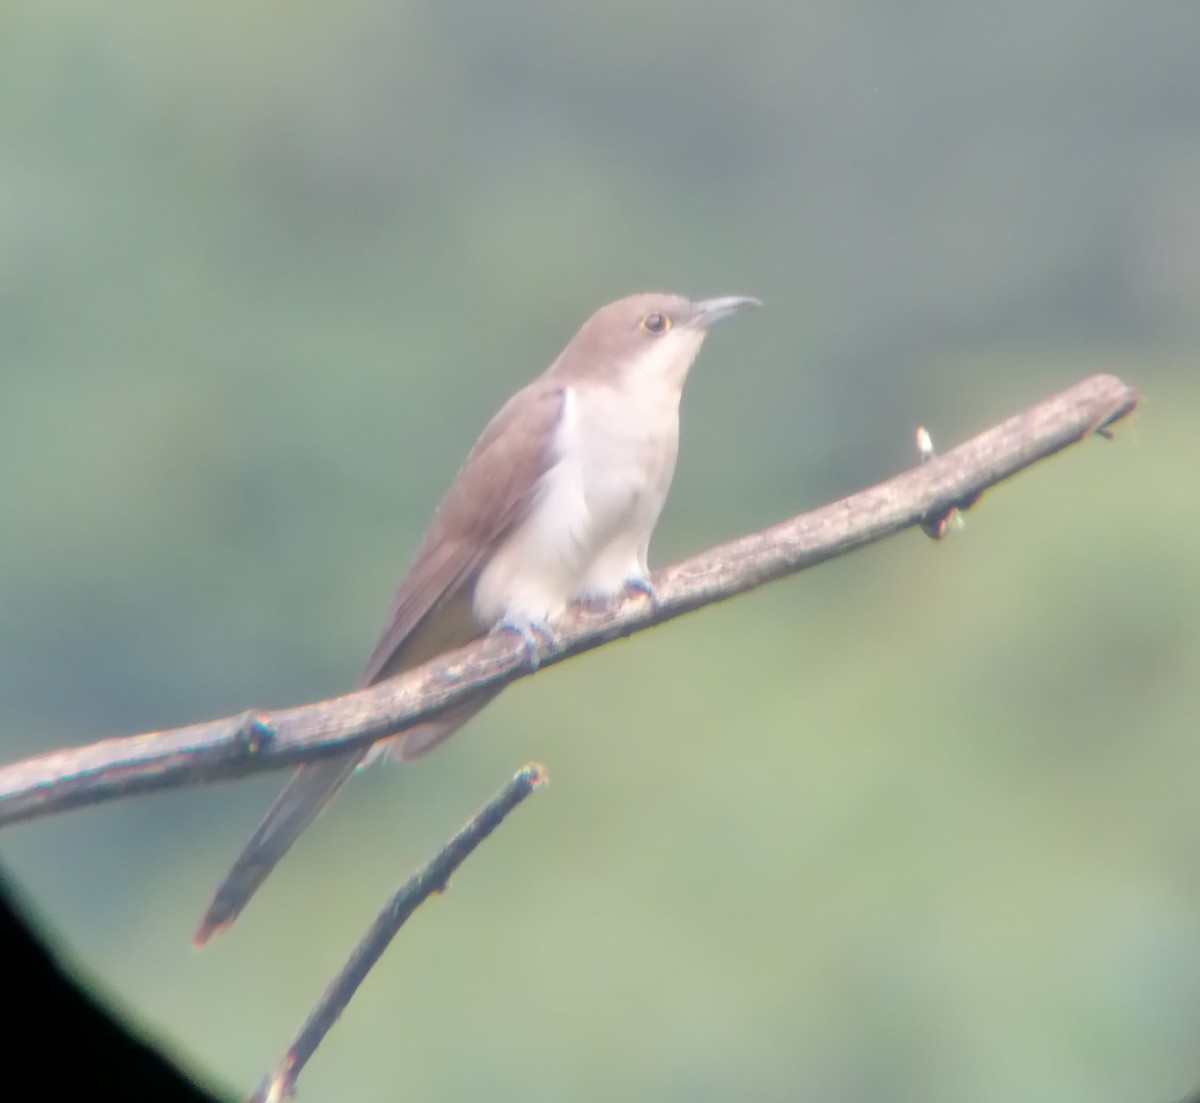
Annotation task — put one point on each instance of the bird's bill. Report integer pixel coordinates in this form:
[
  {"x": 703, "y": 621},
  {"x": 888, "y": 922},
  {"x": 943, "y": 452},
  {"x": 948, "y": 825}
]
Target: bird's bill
[{"x": 709, "y": 311}]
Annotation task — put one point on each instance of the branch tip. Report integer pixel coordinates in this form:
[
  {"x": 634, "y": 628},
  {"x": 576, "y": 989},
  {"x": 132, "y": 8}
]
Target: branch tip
[{"x": 432, "y": 878}]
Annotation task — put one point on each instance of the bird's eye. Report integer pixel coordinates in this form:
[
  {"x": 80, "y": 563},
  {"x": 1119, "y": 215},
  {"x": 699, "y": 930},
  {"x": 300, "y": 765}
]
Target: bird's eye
[{"x": 655, "y": 322}]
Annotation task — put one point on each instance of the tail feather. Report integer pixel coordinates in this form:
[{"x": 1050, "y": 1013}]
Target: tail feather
[
  {"x": 422, "y": 738},
  {"x": 309, "y": 790},
  {"x": 311, "y": 787}
]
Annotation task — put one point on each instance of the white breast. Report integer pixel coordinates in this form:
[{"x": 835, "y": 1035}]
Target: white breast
[{"x": 589, "y": 530}]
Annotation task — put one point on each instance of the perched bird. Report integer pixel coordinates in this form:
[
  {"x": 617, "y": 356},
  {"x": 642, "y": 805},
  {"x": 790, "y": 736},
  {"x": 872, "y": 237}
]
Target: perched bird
[{"x": 555, "y": 503}]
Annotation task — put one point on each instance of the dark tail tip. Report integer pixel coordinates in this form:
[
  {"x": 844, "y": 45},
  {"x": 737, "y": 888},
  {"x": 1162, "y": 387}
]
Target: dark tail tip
[
  {"x": 203, "y": 933},
  {"x": 220, "y": 914}
]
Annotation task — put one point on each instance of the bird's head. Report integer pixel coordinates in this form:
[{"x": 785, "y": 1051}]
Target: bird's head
[{"x": 651, "y": 336}]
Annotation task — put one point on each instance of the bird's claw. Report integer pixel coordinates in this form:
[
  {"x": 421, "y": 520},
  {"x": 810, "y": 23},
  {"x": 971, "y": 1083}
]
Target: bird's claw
[
  {"x": 528, "y": 630},
  {"x": 645, "y": 586}
]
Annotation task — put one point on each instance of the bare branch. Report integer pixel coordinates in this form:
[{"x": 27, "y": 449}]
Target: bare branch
[
  {"x": 240, "y": 745},
  {"x": 433, "y": 877}
]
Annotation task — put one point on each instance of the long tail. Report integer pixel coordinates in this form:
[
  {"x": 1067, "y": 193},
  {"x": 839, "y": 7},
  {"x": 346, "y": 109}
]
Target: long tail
[{"x": 310, "y": 788}]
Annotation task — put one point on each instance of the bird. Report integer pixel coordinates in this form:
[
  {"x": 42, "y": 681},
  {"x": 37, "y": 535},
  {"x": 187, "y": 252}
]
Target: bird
[{"x": 555, "y": 503}]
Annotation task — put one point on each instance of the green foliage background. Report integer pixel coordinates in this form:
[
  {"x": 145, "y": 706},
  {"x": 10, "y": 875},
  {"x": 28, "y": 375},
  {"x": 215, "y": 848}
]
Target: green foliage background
[{"x": 919, "y": 825}]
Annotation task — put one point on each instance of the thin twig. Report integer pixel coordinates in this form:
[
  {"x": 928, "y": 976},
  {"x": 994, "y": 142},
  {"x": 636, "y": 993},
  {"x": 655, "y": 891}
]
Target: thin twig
[
  {"x": 240, "y": 745},
  {"x": 432, "y": 878}
]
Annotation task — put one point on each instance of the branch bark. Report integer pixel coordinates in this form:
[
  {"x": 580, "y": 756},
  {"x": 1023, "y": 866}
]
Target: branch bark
[
  {"x": 239, "y": 745},
  {"x": 433, "y": 877}
]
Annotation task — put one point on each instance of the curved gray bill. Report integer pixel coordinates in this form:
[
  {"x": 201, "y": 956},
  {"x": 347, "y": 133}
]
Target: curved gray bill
[{"x": 709, "y": 311}]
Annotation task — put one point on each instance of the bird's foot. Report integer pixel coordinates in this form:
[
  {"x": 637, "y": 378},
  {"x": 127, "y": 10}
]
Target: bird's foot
[
  {"x": 643, "y": 585},
  {"x": 638, "y": 584},
  {"x": 528, "y": 630}
]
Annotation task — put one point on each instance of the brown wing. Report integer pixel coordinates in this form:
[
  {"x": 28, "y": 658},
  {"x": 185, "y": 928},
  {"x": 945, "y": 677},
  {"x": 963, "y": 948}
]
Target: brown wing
[{"x": 491, "y": 494}]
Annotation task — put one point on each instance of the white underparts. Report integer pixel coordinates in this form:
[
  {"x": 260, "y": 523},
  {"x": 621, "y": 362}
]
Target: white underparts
[{"x": 589, "y": 530}]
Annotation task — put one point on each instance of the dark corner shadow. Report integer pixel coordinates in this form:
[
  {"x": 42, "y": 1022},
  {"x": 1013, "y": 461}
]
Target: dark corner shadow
[{"x": 62, "y": 1044}]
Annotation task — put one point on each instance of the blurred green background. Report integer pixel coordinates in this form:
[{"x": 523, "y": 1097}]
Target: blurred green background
[{"x": 919, "y": 825}]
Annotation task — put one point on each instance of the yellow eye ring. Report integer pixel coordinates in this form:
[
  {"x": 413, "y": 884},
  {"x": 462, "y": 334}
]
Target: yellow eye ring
[{"x": 655, "y": 322}]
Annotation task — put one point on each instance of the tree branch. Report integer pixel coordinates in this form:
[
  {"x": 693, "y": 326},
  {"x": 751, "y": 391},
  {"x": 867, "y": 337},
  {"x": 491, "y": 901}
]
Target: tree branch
[
  {"x": 432, "y": 877},
  {"x": 240, "y": 745}
]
